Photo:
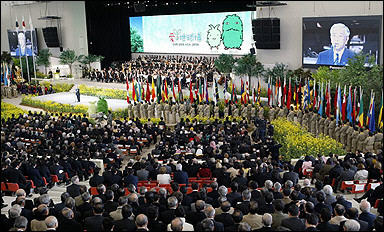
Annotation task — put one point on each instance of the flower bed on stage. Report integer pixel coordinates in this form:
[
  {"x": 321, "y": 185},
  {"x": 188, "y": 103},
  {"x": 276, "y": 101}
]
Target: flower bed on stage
[
  {"x": 52, "y": 106},
  {"x": 8, "y": 109},
  {"x": 298, "y": 142},
  {"x": 58, "y": 87},
  {"x": 101, "y": 92}
]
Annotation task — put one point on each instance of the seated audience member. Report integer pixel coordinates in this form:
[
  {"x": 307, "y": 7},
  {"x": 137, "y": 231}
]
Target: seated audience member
[
  {"x": 180, "y": 176},
  {"x": 68, "y": 222},
  {"x": 141, "y": 222},
  {"x": 20, "y": 224},
  {"x": 163, "y": 177},
  {"x": 237, "y": 217},
  {"x": 95, "y": 223},
  {"x": 126, "y": 223},
  {"x": 225, "y": 216},
  {"x": 74, "y": 188},
  {"x": 351, "y": 225},
  {"x": 96, "y": 179},
  {"x": 267, "y": 222},
  {"x": 210, "y": 214},
  {"x": 362, "y": 173},
  {"x": 366, "y": 214},
  {"x": 41, "y": 213},
  {"x": 293, "y": 222},
  {"x": 13, "y": 213},
  {"x": 252, "y": 218},
  {"x": 339, "y": 211},
  {"x": 324, "y": 225},
  {"x": 117, "y": 214},
  {"x": 311, "y": 221},
  {"x": 180, "y": 213},
  {"x": 51, "y": 223},
  {"x": 278, "y": 215},
  {"x": 353, "y": 213},
  {"x": 329, "y": 198}
]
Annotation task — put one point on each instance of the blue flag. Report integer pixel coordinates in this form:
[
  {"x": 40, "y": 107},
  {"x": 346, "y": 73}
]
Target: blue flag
[
  {"x": 321, "y": 101},
  {"x": 372, "y": 116},
  {"x": 349, "y": 105}
]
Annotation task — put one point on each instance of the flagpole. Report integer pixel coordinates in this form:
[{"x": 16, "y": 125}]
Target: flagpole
[
  {"x": 18, "y": 44},
  {"x": 26, "y": 50},
  {"x": 33, "y": 52}
]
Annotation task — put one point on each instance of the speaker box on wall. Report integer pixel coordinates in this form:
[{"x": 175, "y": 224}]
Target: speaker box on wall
[
  {"x": 51, "y": 37},
  {"x": 266, "y": 33}
]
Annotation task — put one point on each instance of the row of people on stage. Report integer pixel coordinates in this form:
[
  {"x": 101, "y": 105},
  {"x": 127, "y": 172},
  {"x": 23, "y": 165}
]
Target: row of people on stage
[{"x": 152, "y": 67}]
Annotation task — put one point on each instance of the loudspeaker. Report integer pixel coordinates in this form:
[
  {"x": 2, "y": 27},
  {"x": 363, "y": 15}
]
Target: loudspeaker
[
  {"x": 50, "y": 36},
  {"x": 139, "y": 7},
  {"x": 266, "y": 33},
  {"x": 252, "y": 51}
]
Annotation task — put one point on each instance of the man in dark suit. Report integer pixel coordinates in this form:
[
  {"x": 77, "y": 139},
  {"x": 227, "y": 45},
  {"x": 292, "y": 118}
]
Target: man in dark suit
[
  {"x": 59, "y": 206},
  {"x": 131, "y": 178},
  {"x": 195, "y": 191},
  {"x": 244, "y": 204},
  {"x": 125, "y": 224},
  {"x": 168, "y": 215},
  {"x": 210, "y": 214},
  {"x": 109, "y": 205},
  {"x": 180, "y": 176},
  {"x": 347, "y": 174},
  {"x": 225, "y": 217},
  {"x": 353, "y": 213},
  {"x": 96, "y": 179},
  {"x": 338, "y": 54},
  {"x": 267, "y": 222},
  {"x": 237, "y": 217},
  {"x": 74, "y": 188},
  {"x": 234, "y": 196},
  {"x": 115, "y": 178},
  {"x": 292, "y": 176},
  {"x": 34, "y": 175},
  {"x": 293, "y": 222},
  {"x": 214, "y": 194},
  {"x": 324, "y": 225},
  {"x": 86, "y": 206},
  {"x": 14, "y": 175},
  {"x": 365, "y": 215},
  {"x": 95, "y": 223},
  {"x": 24, "y": 212},
  {"x": 199, "y": 215},
  {"x": 68, "y": 223}
]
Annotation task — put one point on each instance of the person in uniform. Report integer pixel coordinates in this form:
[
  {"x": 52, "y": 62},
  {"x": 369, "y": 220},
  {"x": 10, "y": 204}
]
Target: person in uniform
[
  {"x": 343, "y": 133},
  {"x": 244, "y": 111},
  {"x": 253, "y": 112},
  {"x": 360, "y": 140},
  {"x": 322, "y": 124},
  {"x": 167, "y": 111},
  {"x": 369, "y": 142},
  {"x": 354, "y": 137},
  {"x": 200, "y": 109},
  {"x": 182, "y": 109},
  {"x": 291, "y": 115},
  {"x": 78, "y": 94},
  {"x": 261, "y": 113},
  {"x": 331, "y": 128},
  {"x": 313, "y": 122},
  {"x": 281, "y": 113},
  {"x": 226, "y": 111},
  {"x": 216, "y": 111},
  {"x": 300, "y": 116},
  {"x": 192, "y": 110},
  {"x": 161, "y": 110},
  {"x": 151, "y": 109},
  {"x": 378, "y": 145},
  {"x": 174, "y": 112},
  {"x": 337, "y": 132},
  {"x": 272, "y": 112},
  {"x": 235, "y": 111},
  {"x": 305, "y": 120},
  {"x": 277, "y": 110},
  {"x": 136, "y": 110},
  {"x": 207, "y": 110},
  {"x": 143, "y": 110},
  {"x": 249, "y": 110},
  {"x": 349, "y": 133},
  {"x": 130, "y": 112}
]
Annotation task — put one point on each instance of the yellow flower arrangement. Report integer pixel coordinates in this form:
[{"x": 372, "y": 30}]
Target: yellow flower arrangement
[{"x": 297, "y": 142}]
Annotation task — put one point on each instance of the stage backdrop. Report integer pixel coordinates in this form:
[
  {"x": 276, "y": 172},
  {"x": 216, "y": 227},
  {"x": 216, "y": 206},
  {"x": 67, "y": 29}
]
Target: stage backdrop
[{"x": 210, "y": 33}]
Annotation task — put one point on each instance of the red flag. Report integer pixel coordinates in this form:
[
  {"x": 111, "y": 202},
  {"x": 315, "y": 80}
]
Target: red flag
[
  {"x": 148, "y": 95},
  {"x": 289, "y": 95},
  {"x": 344, "y": 105},
  {"x": 354, "y": 106},
  {"x": 173, "y": 90},
  {"x": 299, "y": 94},
  {"x": 166, "y": 89},
  {"x": 335, "y": 101},
  {"x": 190, "y": 92},
  {"x": 133, "y": 91},
  {"x": 314, "y": 95},
  {"x": 284, "y": 93},
  {"x": 242, "y": 91},
  {"x": 328, "y": 94}
]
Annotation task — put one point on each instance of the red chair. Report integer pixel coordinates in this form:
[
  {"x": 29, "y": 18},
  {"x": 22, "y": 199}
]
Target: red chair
[
  {"x": 45, "y": 181},
  {"x": 308, "y": 173},
  {"x": 150, "y": 185},
  {"x": 9, "y": 187},
  {"x": 126, "y": 192},
  {"x": 94, "y": 191},
  {"x": 347, "y": 184},
  {"x": 32, "y": 184},
  {"x": 189, "y": 190},
  {"x": 377, "y": 203},
  {"x": 372, "y": 185},
  {"x": 358, "y": 188},
  {"x": 362, "y": 181},
  {"x": 164, "y": 185}
]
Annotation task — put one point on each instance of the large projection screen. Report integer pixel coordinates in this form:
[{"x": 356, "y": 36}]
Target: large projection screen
[{"x": 208, "y": 33}]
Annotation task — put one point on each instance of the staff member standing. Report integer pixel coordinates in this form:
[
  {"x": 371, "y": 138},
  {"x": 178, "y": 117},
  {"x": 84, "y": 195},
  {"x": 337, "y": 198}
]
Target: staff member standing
[{"x": 78, "y": 94}]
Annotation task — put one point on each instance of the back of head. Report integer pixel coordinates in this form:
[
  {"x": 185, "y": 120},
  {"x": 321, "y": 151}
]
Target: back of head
[
  {"x": 244, "y": 227},
  {"x": 312, "y": 219},
  {"x": 199, "y": 205},
  {"x": 177, "y": 224},
  {"x": 141, "y": 220},
  {"x": 207, "y": 225},
  {"x": 21, "y": 222},
  {"x": 351, "y": 225},
  {"x": 108, "y": 223},
  {"x": 293, "y": 210},
  {"x": 267, "y": 219},
  {"x": 225, "y": 206},
  {"x": 126, "y": 211},
  {"x": 98, "y": 208},
  {"x": 51, "y": 222},
  {"x": 352, "y": 213},
  {"x": 325, "y": 214},
  {"x": 339, "y": 210},
  {"x": 365, "y": 206},
  {"x": 237, "y": 216},
  {"x": 253, "y": 207}
]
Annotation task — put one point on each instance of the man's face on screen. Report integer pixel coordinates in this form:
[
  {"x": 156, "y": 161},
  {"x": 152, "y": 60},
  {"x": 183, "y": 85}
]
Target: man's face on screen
[{"x": 338, "y": 39}]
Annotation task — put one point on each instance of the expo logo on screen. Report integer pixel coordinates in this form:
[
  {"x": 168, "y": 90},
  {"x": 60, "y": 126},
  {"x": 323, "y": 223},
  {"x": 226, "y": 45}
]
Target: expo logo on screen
[{"x": 178, "y": 36}]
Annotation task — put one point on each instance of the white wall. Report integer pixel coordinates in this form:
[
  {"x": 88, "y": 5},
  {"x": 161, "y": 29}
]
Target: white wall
[
  {"x": 291, "y": 26},
  {"x": 73, "y": 23}
]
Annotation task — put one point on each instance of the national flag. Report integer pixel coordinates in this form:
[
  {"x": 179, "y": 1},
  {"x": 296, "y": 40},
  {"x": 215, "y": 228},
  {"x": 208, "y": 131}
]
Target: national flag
[
  {"x": 380, "y": 122},
  {"x": 126, "y": 81},
  {"x": 216, "y": 92},
  {"x": 23, "y": 23},
  {"x": 299, "y": 94},
  {"x": 289, "y": 95},
  {"x": 361, "y": 109},
  {"x": 180, "y": 91},
  {"x": 153, "y": 89},
  {"x": 173, "y": 90},
  {"x": 148, "y": 93},
  {"x": 284, "y": 99},
  {"x": 344, "y": 104},
  {"x": 339, "y": 107},
  {"x": 254, "y": 95},
  {"x": 138, "y": 91},
  {"x": 349, "y": 105},
  {"x": 200, "y": 91},
  {"x": 314, "y": 95},
  {"x": 328, "y": 96},
  {"x": 158, "y": 86},
  {"x": 354, "y": 111},
  {"x": 235, "y": 94},
  {"x": 165, "y": 89},
  {"x": 134, "y": 97},
  {"x": 295, "y": 96},
  {"x": 232, "y": 97},
  {"x": 242, "y": 91},
  {"x": 372, "y": 123},
  {"x": 190, "y": 92},
  {"x": 335, "y": 102},
  {"x": 321, "y": 100},
  {"x": 307, "y": 97},
  {"x": 269, "y": 95},
  {"x": 369, "y": 108},
  {"x": 225, "y": 90},
  {"x": 258, "y": 91},
  {"x": 206, "y": 90},
  {"x": 280, "y": 94}
]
